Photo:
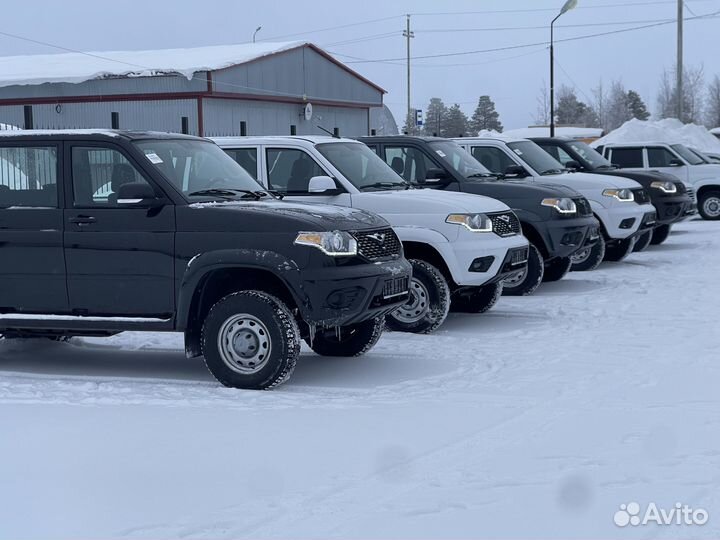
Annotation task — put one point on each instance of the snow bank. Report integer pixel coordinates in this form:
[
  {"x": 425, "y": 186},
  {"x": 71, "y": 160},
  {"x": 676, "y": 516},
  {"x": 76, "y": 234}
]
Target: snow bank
[
  {"x": 561, "y": 131},
  {"x": 80, "y": 67},
  {"x": 668, "y": 130}
]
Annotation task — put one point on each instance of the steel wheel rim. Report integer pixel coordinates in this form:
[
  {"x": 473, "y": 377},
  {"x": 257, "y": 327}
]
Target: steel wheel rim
[
  {"x": 711, "y": 206},
  {"x": 417, "y": 306},
  {"x": 244, "y": 343},
  {"x": 517, "y": 279},
  {"x": 581, "y": 256}
]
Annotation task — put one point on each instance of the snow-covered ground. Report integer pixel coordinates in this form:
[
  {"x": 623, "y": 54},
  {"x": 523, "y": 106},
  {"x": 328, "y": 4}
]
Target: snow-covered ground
[{"x": 536, "y": 420}]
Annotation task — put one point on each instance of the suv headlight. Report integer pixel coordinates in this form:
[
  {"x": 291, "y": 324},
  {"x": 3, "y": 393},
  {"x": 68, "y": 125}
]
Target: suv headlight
[
  {"x": 564, "y": 205},
  {"x": 665, "y": 187},
  {"x": 472, "y": 222},
  {"x": 624, "y": 195},
  {"x": 333, "y": 243}
]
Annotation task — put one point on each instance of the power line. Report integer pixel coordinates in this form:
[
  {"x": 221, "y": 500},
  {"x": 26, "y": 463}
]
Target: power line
[
  {"x": 541, "y": 27},
  {"x": 329, "y": 28}
]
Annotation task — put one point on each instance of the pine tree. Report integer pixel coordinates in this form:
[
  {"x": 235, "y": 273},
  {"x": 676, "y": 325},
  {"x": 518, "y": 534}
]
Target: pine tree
[
  {"x": 637, "y": 106},
  {"x": 485, "y": 116},
  {"x": 435, "y": 117},
  {"x": 570, "y": 109},
  {"x": 456, "y": 123}
]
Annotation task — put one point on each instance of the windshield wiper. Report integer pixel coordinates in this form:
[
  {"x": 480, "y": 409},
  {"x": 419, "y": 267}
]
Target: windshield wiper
[
  {"x": 229, "y": 193},
  {"x": 608, "y": 167},
  {"x": 483, "y": 175},
  {"x": 551, "y": 171},
  {"x": 386, "y": 185}
]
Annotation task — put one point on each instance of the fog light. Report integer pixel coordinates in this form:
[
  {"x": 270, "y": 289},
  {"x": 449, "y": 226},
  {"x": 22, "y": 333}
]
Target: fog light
[
  {"x": 571, "y": 239},
  {"x": 627, "y": 223},
  {"x": 344, "y": 298},
  {"x": 482, "y": 264}
]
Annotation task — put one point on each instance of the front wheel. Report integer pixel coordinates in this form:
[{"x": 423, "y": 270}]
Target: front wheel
[
  {"x": 619, "y": 249},
  {"x": 660, "y": 234},
  {"x": 709, "y": 205},
  {"x": 352, "y": 340},
  {"x": 428, "y": 303},
  {"x": 525, "y": 282},
  {"x": 477, "y": 299},
  {"x": 250, "y": 340},
  {"x": 588, "y": 258},
  {"x": 644, "y": 241},
  {"x": 556, "y": 269}
]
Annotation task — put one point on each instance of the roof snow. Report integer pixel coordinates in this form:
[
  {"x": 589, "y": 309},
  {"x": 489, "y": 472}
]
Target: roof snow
[
  {"x": 560, "y": 131},
  {"x": 78, "y": 67},
  {"x": 668, "y": 130}
]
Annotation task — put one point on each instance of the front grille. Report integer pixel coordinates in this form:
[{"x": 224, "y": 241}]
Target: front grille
[
  {"x": 505, "y": 224},
  {"x": 395, "y": 287},
  {"x": 691, "y": 194},
  {"x": 583, "y": 207},
  {"x": 378, "y": 245},
  {"x": 641, "y": 196},
  {"x": 519, "y": 256},
  {"x": 680, "y": 187}
]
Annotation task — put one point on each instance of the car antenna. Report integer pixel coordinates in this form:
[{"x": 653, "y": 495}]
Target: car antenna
[{"x": 333, "y": 135}]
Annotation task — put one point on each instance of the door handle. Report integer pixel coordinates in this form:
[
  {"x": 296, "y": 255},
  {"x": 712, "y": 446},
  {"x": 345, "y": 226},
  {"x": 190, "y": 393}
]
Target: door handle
[{"x": 82, "y": 220}]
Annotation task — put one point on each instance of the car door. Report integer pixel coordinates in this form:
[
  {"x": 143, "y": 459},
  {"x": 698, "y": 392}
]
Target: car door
[
  {"x": 492, "y": 158},
  {"x": 32, "y": 263},
  {"x": 664, "y": 160},
  {"x": 410, "y": 162},
  {"x": 119, "y": 254}
]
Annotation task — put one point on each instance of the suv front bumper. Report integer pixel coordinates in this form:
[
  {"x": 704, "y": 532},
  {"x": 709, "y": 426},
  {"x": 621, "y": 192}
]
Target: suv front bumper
[
  {"x": 673, "y": 209},
  {"x": 624, "y": 220},
  {"x": 343, "y": 295},
  {"x": 564, "y": 236}
]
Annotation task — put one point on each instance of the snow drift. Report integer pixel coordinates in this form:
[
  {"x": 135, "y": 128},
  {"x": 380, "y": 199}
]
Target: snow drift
[{"x": 668, "y": 130}]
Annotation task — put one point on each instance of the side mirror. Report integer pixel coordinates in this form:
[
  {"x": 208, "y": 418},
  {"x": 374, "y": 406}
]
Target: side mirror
[
  {"x": 675, "y": 163},
  {"x": 137, "y": 193},
  {"x": 572, "y": 164},
  {"x": 436, "y": 176},
  {"x": 515, "y": 171},
  {"x": 322, "y": 184}
]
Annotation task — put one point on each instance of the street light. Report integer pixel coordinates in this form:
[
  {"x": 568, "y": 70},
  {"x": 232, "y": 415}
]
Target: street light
[
  {"x": 569, "y": 4},
  {"x": 255, "y": 32}
]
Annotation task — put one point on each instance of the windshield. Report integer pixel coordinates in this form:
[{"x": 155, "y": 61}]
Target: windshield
[
  {"x": 590, "y": 155},
  {"x": 361, "y": 166},
  {"x": 686, "y": 154},
  {"x": 536, "y": 157},
  {"x": 199, "y": 168},
  {"x": 460, "y": 160},
  {"x": 699, "y": 154}
]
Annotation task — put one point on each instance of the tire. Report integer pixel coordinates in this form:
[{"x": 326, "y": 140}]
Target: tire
[
  {"x": 428, "y": 305},
  {"x": 643, "y": 241},
  {"x": 709, "y": 205},
  {"x": 556, "y": 269},
  {"x": 620, "y": 249},
  {"x": 255, "y": 322},
  {"x": 530, "y": 279},
  {"x": 353, "y": 340},
  {"x": 587, "y": 259},
  {"x": 476, "y": 299},
  {"x": 660, "y": 234}
]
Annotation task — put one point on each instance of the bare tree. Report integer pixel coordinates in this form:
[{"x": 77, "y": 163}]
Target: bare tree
[
  {"x": 712, "y": 114},
  {"x": 600, "y": 104},
  {"x": 692, "y": 98},
  {"x": 542, "y": 114},
  {"x": 618, "y": 110}
]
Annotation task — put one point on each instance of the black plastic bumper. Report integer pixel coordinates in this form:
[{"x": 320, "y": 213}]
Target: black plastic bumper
[
  {"x": 673, "y": 209},
  {"x": 339, "y": 296},
  {"x": 563, "y": 237},
  {"x": 515, "y": 261}
]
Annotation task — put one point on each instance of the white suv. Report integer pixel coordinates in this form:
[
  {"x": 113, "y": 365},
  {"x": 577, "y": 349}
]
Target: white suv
[
  {"x": 461, "y": 246},
  {"x": 621, "y": 205},
  {"x": 675, "y": 159}
]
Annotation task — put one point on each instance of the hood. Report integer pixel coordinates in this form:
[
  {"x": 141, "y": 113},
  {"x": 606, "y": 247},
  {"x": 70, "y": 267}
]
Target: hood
[
  {"x": 278, "y": 216},
  {"x": 426, "y": 201},
  {"x": 582, "y": 181},
  {"x": 506, "y": 190},
  {"x": 644, "y": 178}
]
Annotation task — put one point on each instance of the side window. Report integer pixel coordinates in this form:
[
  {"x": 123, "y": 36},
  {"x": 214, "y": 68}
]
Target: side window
[
  {"x": 99, "y": 175},
  {"x": 28, "y": 177},
  {"x": 627, "y": 157},
  {"x": 552, "y": 150},
  {"x": 290, "y": 170},
  {"x": 563, "y": 157},
  {"x": 246, "y": 158},
  {"x": 410, "y": 163},
  {"x": 659, "y": 157},
  {"x": 494, "y": 159}
]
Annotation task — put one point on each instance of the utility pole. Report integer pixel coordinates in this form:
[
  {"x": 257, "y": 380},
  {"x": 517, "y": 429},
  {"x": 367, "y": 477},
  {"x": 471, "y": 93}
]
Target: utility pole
[
  {"x": 679, "y": 63},
  {"x": 408, "y": 34}
]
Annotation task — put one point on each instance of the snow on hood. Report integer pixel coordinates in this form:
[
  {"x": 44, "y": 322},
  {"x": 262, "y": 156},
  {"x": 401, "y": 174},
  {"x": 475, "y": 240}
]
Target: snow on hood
[
  {"x": 668, "y": 130},
  {"x": 426, "y": 201},
  {"x": 79, "y": 67}
]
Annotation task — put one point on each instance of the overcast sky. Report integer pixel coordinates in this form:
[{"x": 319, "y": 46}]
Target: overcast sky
[{"x": 513, "y": 77}]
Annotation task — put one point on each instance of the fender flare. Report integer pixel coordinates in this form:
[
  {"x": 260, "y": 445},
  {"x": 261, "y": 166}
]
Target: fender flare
[{"x": 705, "y": 183}]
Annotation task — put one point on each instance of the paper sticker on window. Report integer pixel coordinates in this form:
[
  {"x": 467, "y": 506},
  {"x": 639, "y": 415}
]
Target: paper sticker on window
[
  {"x": 440, "y": 153},
  {"x": 517, "y": 151},
  {"x": 154, "y": 158}
]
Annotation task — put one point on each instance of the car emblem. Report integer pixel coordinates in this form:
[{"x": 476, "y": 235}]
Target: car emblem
[
  {"x": 506, "y": 219},
  {"x": 378, "y": 237}
]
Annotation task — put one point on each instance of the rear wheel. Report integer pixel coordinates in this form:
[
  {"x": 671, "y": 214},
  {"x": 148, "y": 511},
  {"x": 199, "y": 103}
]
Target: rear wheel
[
  {"x": 428, "y": 302},
  {"x": 709, "y": 205},
  {"x": 660, "y": 234},
  {"x": 556, "y": 269},
  {"x": 619, "y": 249},
  {"x": 643, "y": 241},
  {"x": 588, "y": 258},
  {"x": 352, "y": 340},
  {"x": 525, "y": 282},
  {"x": 250, "y": 340},
  {"x": 477, "y": 299}
]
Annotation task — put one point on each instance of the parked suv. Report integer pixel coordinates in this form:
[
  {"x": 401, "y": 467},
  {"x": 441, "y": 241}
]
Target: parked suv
[
  {"x": 675, "y": 159},
  {"x": 108, "y": 231},
  {"x": 669, "y": 196},
  {"x": 556, "y": 220},
  {"x": 461, "y": 247},
  {"x": 620, "y": 205}
]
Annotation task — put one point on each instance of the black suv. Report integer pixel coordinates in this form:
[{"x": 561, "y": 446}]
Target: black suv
[
  {"x": 667, "y": 194},
  {"x": 107, "y": 231},
  {"x": 556, "y": 220}
]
